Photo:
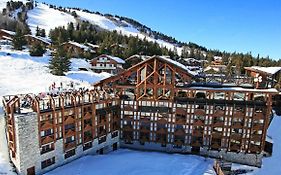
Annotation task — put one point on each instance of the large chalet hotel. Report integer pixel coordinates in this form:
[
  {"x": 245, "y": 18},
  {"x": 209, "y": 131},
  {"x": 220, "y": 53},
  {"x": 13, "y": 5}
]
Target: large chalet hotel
[{"x": 157, "y": 104}]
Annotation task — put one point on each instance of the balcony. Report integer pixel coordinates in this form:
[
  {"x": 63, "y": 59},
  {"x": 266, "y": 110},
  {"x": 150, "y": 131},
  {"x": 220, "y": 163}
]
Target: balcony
[
  {"x": 237, "y": 125},
  {"x": 198, "y": 122},
  {"x": 69, "y": 145},
  {"x": 254, "y": 149},
  {"x": 239, "y": 114},
  {"x": 102, "y": 122},
  {"x": 218, "y": 124},
  {"x": 47, "y": 139},
  {"x": 162, "y": 121},
  {"x": 47, "y": 125},
  {"x": 179, "y": 132},
  {"x": 180, "y": 121},
  {"x": 179, "y": 142},
  {"x": 144, "y": 139},
  {"x": 69, "y": 119},
  {"x": 128, "y": 108},
  {"x": 102, "y": 133},
  {"x": 181, "y": 111},
  {"x": 259, "y": 115},
  {"x": 196, "y": 143},
  {"x": 197, "y": 133},
  {"x": 87, "y": 139},
  {"x": 215, "y": 145},
  {"x": 235, "y": 147},
  {"x": 87, "y": 116},
  {"x": 145, "y": 120},
  {"x": 256, "y": 137},
  {"x": 218, "y": 113},
  {"x": 162, "y": 139},
  {"x": 199, "y": 112},
  {"x": 69, "y": 133},
  {"x": 236, "y": 136},
  {"x": 144, "y": 129},
  {"x": 87, "y": 127},
  {"x": 162, "y": 131},
  {"x": 216, "y": 134},
  {"x": 128, "y": 128},
  {"x": 258, "y": 126}
]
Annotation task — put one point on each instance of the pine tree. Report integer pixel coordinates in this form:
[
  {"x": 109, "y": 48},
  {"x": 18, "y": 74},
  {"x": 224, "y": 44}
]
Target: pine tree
[
  {"x": 37, "y": 31},
  {"x": 60, "y": 62},
  {"x": 18, "y": 40},
  {"x": 37, "y": 50},
  {"x": 43, "y": 33}
]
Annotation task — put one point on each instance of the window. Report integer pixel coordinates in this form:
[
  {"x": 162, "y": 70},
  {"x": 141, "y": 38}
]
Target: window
[
  {"x": 47, "y": 148},
  {"x": 69, "y": 126},
  {"x": 46, "y": 132},
  {"x": 69, "y": 139},
  {"x": 102, "y": 139},
  {"x": 87, "y": 146},
  {"x": 69, "y": 153},
  {"x": 47, "y": 162}
]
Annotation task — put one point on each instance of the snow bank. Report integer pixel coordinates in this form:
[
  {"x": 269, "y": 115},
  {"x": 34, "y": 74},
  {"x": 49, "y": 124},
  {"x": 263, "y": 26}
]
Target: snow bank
[
  {"x": 131, "y": 162},
  {"x": 87, "y": 76}
]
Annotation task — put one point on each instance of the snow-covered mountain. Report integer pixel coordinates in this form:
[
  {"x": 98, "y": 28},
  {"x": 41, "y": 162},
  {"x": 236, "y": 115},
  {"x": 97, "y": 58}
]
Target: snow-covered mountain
[{"x": 49, "y": 18}]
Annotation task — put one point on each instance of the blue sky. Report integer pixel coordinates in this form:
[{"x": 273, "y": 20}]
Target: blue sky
[{"x": 230, "y": 25}]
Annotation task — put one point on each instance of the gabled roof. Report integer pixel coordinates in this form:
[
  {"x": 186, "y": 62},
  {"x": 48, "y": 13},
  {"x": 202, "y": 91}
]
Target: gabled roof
[
  {"x": 266, "y": 70},
  {"x": 142, "y": 57},
  {"x": 92, "y": 45},
  {"x": 180, "y": 66},
  {"x": 82, "y": 46},
  {"x": 42, "y": 39},
  {"x": 8, "y": 32},
  {"x": 117, "y": 59}
]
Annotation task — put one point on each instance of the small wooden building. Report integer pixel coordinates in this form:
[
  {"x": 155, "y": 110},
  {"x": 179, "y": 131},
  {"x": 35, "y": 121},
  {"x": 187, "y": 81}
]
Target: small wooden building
[
  {"x": 264, "y": 76},
  {"x": 6, "y": 34},
  {"x": 107, "y": 63},
  {"x": 76, "y": 49},
  {"x": 35, "y": 40}
]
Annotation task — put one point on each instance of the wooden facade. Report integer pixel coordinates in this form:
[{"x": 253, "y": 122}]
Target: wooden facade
[
  {"x": 157, "y": 101},
  {"x": 162, "y": 102}
]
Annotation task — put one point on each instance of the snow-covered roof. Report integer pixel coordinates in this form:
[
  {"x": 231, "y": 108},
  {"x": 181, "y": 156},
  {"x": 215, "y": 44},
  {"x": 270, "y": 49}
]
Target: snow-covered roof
[
  {"x": 7, "y": 38},
  {"x": 44, "y": 40},
  {"x": 178, "y": 64},
  {"x": 271, "y": 90},
  {"x": 8, "y": 32},
  {"x": 268, "y": 70},
  {"x": 117, "y": 59},
  {"x": 82, "y": 46},
  {"x": 93, "y": 45},
  {"x": 142, "y": 57}
]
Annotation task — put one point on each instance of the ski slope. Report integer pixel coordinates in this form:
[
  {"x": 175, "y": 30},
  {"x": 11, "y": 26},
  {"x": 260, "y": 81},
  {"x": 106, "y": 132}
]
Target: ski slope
[{"x": 47, "y": 18}]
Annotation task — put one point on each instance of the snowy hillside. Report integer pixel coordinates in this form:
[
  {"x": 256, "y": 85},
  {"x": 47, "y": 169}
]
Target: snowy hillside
[
  {"x": 120, "y": 26},
  {"x": 47, "y": 18}
]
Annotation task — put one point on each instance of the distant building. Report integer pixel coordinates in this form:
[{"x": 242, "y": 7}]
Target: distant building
[
  {"x": 6, "y": 34},
  {"x": 76, "y": 49},
  {"x": 93, "y": 47},
  {"x": 107, "y": 63},
  {"x": 264, "y": 76},
  {"x": 35, "y": 40},
  {"x": 217, "y": 60},
  {"x": 135, "y": 59}
]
